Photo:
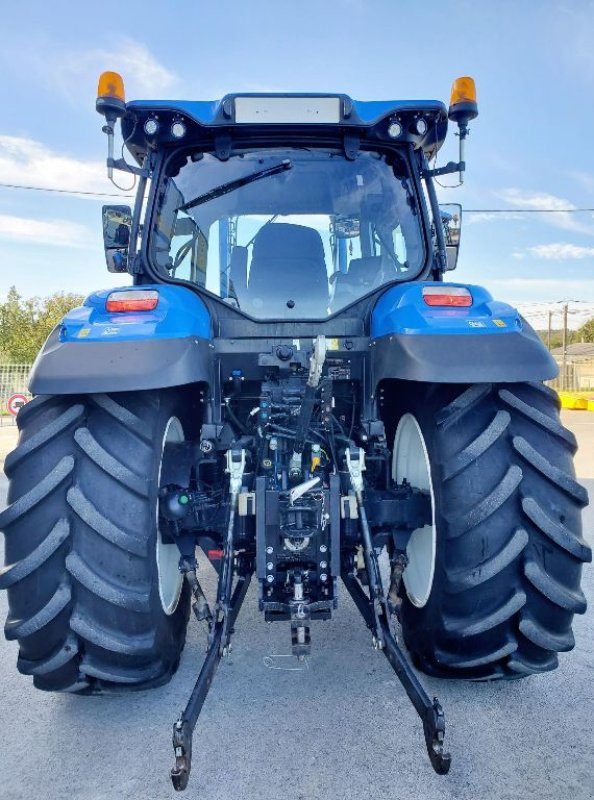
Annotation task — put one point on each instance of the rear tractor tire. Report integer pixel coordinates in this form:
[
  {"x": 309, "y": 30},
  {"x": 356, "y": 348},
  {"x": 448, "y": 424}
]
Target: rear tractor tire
[
  {"x": 492, "y": 586},
  {"x": 95, "y": 597}
]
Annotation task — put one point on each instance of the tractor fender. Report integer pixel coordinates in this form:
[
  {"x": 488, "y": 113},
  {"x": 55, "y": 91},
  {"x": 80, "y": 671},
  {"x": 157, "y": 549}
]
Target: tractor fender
[
  {"x": 487, "y": 342},
  {"x": 93, "y": 350}
]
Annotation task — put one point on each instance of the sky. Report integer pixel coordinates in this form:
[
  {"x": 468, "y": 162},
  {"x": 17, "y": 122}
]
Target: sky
[{"x": 530, "y": 147}]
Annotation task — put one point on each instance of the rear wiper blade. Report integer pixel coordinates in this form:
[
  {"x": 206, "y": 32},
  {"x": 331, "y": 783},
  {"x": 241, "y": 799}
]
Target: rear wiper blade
[{"x": 225, "y": 188}]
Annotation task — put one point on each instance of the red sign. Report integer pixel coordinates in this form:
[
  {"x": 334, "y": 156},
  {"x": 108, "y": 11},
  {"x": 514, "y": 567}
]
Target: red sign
[{"x": 16, "y": 402}]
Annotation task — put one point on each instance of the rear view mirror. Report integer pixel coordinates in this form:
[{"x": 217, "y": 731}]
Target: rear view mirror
[
  {"x": 346, "y": 227},
  {"x": 451, "y": 219},
  {"x": 117, "y": 222}
]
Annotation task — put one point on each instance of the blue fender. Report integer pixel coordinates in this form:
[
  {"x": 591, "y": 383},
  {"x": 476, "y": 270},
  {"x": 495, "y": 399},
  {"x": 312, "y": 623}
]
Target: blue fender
[
  {"x": 93, "y": 350},
  {"x": 486, "y": 342}
]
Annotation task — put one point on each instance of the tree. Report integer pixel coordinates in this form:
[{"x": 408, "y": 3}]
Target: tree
[
  {"x": 557, "y": 337},
  {"x": 25, "y": 323},
  {"x": 586, "y": 332}
]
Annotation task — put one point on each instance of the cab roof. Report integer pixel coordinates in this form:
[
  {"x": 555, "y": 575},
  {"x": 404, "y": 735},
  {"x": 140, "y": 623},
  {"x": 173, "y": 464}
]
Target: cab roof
[{"x": 262, "y": 119}]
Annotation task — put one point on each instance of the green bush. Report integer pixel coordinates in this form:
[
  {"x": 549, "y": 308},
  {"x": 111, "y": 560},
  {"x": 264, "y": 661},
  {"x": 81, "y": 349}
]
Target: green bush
[{"x": 25, "y": 323}]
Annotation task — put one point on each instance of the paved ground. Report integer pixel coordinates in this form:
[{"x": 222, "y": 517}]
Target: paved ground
[
  {"x": 582, "y": 424},
  {"x": 341, "y": 729},
  {"x": 8, "y": 437}
]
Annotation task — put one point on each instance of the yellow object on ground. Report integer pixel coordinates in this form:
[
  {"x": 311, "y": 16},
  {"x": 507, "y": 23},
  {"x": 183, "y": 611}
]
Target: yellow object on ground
[{"x": 574, "y": 400}]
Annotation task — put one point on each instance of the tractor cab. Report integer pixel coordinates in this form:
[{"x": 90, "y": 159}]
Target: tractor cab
[
  {"x": 289, "y": 233},
  {"x": 284, "y": 207}
]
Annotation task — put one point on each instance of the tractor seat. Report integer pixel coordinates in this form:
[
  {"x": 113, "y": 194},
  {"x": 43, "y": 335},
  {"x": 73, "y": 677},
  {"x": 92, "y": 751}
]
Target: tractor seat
[
  {"x": 287, "y": 273},
  {"x": 364, "y": 271},
  {"x": 362, "y": 277}
]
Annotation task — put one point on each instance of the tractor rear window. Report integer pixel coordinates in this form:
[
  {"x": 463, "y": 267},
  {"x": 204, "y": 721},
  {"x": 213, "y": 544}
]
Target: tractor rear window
[{"x": 288, "y": 234}]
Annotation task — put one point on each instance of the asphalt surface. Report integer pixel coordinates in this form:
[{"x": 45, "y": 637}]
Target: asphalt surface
[{"x": 342, "y": 728}]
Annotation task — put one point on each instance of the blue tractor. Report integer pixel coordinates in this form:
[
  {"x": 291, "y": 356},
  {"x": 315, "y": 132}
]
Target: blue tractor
[{"x": 292, "y": 385}]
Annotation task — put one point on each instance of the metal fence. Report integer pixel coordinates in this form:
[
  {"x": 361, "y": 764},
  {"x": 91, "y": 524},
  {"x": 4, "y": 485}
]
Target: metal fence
[
  {"x": 13, "y": 380},
  {"x": 578, "y": 377}
]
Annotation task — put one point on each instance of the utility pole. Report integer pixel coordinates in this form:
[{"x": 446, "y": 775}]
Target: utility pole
[
  {"x": 564, "y": 375},
  {"x": 549, "y": 330}
]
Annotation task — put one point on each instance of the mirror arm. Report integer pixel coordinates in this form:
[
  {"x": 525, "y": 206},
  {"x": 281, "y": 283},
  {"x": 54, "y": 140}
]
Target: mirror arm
[
  {"x": 434, "y": 203},
  {"x": 450, "y": 167},
  {"x": 453, "y": 166},
  {"x": 121, "y": 164},
  {"x": 135, "y": 263},
  {"x": 117, "y": 163}
]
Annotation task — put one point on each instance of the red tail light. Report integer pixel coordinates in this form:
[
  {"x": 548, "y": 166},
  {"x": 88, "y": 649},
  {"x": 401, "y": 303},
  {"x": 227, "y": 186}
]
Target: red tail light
[
  {"x": 447, "y": 296},
  {"x": 134, "y": 300}
]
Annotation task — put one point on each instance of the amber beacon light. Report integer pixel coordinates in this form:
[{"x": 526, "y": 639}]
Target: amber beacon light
[
  {"x": 463, "y": 106},
  {"x": 111, "y": 96},
  {"x": 111, "y": 102}
]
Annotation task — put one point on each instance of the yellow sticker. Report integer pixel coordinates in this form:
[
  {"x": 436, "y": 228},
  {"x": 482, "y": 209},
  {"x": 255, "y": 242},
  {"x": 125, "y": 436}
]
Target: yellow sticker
[
  {"x": 500, "y": 323},
  {"x": 83, "y": 332},
  {"x": 333, "y": 344}
]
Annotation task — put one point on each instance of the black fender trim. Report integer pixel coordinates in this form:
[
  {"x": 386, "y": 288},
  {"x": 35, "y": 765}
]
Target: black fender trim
[
  {"x": 485, "y": 358},
  {"x": 120, "y": 366}
]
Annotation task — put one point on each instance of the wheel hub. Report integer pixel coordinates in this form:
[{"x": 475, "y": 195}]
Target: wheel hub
[
  {"x": 167, "y": 554},
  {"x": 411, "y": 463}
]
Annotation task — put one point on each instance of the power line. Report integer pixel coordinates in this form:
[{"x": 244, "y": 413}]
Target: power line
[
  {"x": 526, "y": 210},
  {"x": 465, "y": 210},
  {"x": 60, "y": 191}
]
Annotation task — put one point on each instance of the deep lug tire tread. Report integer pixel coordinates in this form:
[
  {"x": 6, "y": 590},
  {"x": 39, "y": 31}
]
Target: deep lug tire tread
[
  {"x": 80, "y": 542},
  {"x": 510, "y": 548}
]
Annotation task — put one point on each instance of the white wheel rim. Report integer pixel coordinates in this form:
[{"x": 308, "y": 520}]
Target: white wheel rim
[
  {"x": 170, "y": 578},
  {"x": 410, "y": 462}
]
